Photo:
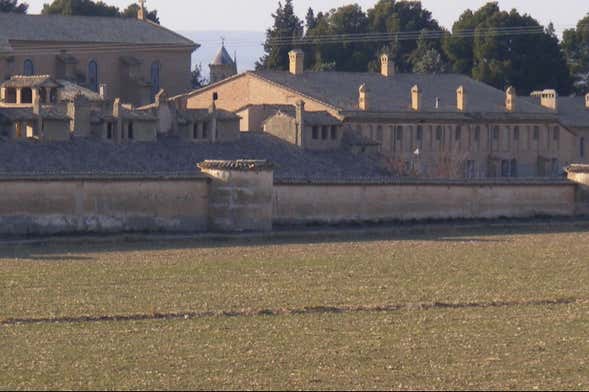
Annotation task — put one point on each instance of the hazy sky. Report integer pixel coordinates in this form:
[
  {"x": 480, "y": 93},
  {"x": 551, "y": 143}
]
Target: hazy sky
[{"x": 255, "y": 14}]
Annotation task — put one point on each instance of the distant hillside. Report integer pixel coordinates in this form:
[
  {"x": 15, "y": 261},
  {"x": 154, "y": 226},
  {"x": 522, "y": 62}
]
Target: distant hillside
[{"x": 247, "y": 44}]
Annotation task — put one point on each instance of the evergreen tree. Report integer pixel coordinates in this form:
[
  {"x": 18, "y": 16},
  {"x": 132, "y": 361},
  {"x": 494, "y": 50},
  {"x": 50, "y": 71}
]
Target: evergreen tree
[
  {"x": 310, "y": 20},
  {"x": 427, "y": 58},
  {"x": 281, "y": 38},
  {"x": 576, "y": 48},
  {"x": 132, "y": 10},
  {"x": 13, "y": 6},
  {"x": 80, "y": 7}
]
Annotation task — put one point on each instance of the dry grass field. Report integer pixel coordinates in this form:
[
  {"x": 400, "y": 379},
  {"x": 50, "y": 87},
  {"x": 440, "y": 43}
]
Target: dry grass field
[{"x": 488, "y": 309}]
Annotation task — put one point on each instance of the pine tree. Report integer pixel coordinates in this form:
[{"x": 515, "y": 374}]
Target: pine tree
[{"x": 13, "y": 6}]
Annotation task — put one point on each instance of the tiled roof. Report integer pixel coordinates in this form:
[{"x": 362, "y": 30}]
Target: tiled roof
[
  {"x": 57, "y": 28},
  {"x": 222, "y": 58},
  {"x": 392, "y": 94},
  {"x": 572, "y": 112},
  {"x": 17, "y": 81},
  {"x": 171, "y": 155}
]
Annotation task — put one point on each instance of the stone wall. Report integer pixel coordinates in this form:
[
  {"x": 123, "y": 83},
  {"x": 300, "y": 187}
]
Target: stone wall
[
  {"x": 579, "y": 174},
  {"x": 59, "y": 205},
  {"x": 331, "y": 203}
]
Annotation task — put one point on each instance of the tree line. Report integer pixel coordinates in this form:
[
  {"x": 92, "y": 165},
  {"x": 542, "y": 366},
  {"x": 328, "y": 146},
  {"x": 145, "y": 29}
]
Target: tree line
[{"x": 498, "y": 47}]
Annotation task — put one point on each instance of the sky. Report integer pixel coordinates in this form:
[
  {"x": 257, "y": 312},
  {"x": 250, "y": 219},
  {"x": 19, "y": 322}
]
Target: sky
[{"x": 254, "y": 15}]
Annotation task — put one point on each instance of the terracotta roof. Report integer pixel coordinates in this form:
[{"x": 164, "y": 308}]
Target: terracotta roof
[
  {"x": 222, "y": 58},
  {"x": 113, "y": 30},
  {"x": 392, "y": 94}
]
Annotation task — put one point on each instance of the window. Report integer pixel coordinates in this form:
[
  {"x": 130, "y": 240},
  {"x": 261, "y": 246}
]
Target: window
[
  {"x": 130, "y": 130},
  {"x": 26, "y": 95},
  {"x": 205, "y": 130},
  {"x": 315, "y": 132},
  {"x": 155, "y": 79},
  {"x": 458, "y": 133},
  {"x": 513, "y": 167},
  {"x": 195, "y": 131},
  {"x": 419, "y": 134},
  {"x": 536, "y": 135},
  {"x": 399, "y": 134},
  {"x": 109, "y": 131},
  {"x": 582, "y": 148},
  {"x": 333, "y": 132},
  {"x": 505, "y": 168},
  {"x": 439, "y": 133},
  {"x": 495, "y": 133},
  {"x": 324, "y": 132},
  {"x": 470, "y": 169},
  {"x": 28, "y": 68},
  {"x": 477, "y": 133},
  {"x": 556, "y": 134},
  {"x": 516, "y": 133},
  {"x": 93, "y": 76},
  {"x": 379, "y": 133}
]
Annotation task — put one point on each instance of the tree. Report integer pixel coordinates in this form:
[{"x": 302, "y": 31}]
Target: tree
[
  {"x": 198, "y": 80},
  {"x": 310, "y": 20},
  {"x": 281, "y": 38},
  {"x": 575, "y": 44},
  {"x": 427, "y": 58},
  {"x": 13, "y": 6},
  {"x": 132, "y": 10},
  {"x": 80, "y": 7},
  {"x": 392, "y": 17},
  {"x": 526, "y": 61}
]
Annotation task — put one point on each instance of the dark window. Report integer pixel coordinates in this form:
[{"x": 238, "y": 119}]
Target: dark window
[
  {"x": 315, "y": 132},
  {"x": 536, "y": 132},
  {"x": 513, "y": 168},
  {"x": 477, "y": 134},
  {"x": 324, "y": 133},
  {"x": 556, "y": 134},
  {"x": 155, "y": 79},
  {"x": 53, "y": 95},
  {"x": 195, "y": 131},
  {"x": 582, "y": 147},
  {"x": 26, "y": 95},
  {"x": 109, "y": 130},
  {"x": 333, "y": 132},
  {"x": 458, "y": 134},
  {"x": 495, "y": 133},
  {"x": 205, "y": 130},
  {"x": 470, "y": 169},
  {"x": 516, "y": 133},
  {"x": 379, "y": 134},
  {"x": 130, "y": 130},
  {"x": 28, "y": 68},
  {"x": 399, "y": 134},
  {"x": 505, "y": 169},
  {"x": 93, "y": 75},
  {"x": 419, "y": 135},
  {"x": 439, "y": 133}
]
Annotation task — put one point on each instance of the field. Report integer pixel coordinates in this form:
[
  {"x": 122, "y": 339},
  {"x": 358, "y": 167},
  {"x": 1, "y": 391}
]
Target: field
[{"x": 482, "y": 309}]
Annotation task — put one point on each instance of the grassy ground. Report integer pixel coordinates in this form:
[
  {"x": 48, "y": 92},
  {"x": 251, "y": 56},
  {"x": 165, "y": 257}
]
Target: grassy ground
[{"x": 477, "y": 310}]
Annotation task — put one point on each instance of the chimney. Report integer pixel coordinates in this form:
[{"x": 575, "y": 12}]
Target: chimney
[
  {"x": 510, "y": 97},
  {"x": 461, "y": 99},
  {"x": 300, "y": 114},
  {"x": 587, "y": 101},
  {"x": 387, "y": 66},
  {"x": 116, "y": 108},
  {"x": 141, "y": 10},
  {"x": 103, "y": 91},
  {"x": 297, "y": 61},
  {"x": 548, "y": 99},
  {"x": 415, "y": 98},
  {"x": 363, "y": 98}
]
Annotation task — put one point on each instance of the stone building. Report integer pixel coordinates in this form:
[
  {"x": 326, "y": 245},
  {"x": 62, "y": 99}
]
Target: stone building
[
  {"x": 223, "y": 66},
  {"x": 442, "y": 125},
  {"x": 128, "y": 58}
]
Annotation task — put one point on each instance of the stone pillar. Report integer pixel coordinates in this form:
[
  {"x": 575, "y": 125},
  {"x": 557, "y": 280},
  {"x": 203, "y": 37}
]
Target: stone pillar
[
  {"x": 580, "y": 175},
  {"x": 240, "y": 195}
]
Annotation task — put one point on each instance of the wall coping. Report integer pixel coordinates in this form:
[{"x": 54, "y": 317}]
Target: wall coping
[
  {"x": 578, "y": 168},
  {"x": 237, "y": 165},
  {"x": 432, "y": 182},
  {"x": 123, "y": 176}
]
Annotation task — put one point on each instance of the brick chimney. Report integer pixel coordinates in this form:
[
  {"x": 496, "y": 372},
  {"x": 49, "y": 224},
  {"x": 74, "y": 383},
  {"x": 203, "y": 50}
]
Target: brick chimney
[
  {"x": 510, "y": 98},
  {"x": 461, "y": 99},
  {"x": 363, "y": 98},
  {"x": 297, "y": 61},
  {"x": 416, "y": 98},
  {"x": 387, "y": 66}
]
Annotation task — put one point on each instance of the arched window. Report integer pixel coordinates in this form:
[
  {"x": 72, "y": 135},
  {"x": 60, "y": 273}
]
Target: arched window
[
  {"x": 155, "y": 79},
  {"x": 93, "y": 75},
  {"x": 28, "y": 68}
]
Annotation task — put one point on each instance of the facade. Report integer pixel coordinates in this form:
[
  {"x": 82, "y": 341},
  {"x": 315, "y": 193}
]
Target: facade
[
  {"x": 122, "y": 57},
  {"x": 443, "y": 125}
]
